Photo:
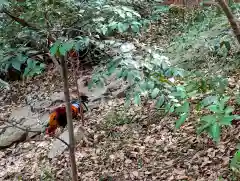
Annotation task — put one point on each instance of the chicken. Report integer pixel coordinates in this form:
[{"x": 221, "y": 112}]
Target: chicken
[{"x": 58, "y": 117}]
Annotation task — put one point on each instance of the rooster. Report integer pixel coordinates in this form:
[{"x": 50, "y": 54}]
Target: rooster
[{"x": 58, "y": 117}]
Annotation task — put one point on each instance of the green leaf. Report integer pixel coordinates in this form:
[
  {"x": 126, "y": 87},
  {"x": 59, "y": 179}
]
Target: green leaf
[
  {"x": 69, "y": 45},
  {"x": 226, "y": 120},
  {"x": 130, "y": 77},
  {"x": 4, "y": 85},
  {"x": 214, "y": 108},
  {"x": 215, "y": 131},
  {"x": 171, "y": 110},
  {"x": 7, "y": 58},
  {"x": 30, "y": 63},
  {"x": 167, "y": 107},
  {"x": 209, "y": 100},
  {"x": 17, "y": 65},
  {"x": 113, "y": 25},
  {"x": 111, "y": 69},
  {"x": 184, "y": 108},
  {"x": 54, "y": 48},
  {"x": 26, "y": 71},
  {"x": 234, "y": 164},
  {"x": 160, "y": 101},
  {"x": 137, "y": 98},
  {"x": 121, "y": 13},
  {"x": 119, "y": 73},
  {"x": 236, "y": 117},
  {"x": 150, "y": 85},
  {"x": 122, "y": 27},
  {"x": 223, "y": 102},
  {"x": 209, "y": 118},
  {"x": 193, "y": 93},
  {"x": 104, "y": 30},
  {"x": 203, "y": 127},
  {"x": 228, "y": 110},
  {"x": 143, "y": 85},
  {"x": 65, "y": 47},
  {"x": 181, "y": 120},
  {"x": 62, "y": 50},
  {"x": 135, "y": 26},
  {"x": 42, "y": 65},
  {"x": 155, "y": 93},
  {"x": 180, "y": 94}
]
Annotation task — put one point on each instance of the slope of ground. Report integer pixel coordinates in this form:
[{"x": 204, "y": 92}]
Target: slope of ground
[{"x": 140, "y": 145}]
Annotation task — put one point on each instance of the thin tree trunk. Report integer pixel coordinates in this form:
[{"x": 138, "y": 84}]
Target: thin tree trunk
[
  {"x": 231, "y": 19},
  {"x": 69, "y": 119}
]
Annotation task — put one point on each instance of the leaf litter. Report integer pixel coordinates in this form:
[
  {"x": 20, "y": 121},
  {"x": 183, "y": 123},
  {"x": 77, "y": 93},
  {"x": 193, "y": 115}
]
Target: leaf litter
[{"x": 140, "y": 149}]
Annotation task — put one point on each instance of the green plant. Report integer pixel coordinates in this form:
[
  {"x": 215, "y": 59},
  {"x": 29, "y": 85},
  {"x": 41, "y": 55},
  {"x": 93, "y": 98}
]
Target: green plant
[
  {"x": 46, "y": 175},
  {"x": 4, "y": 85},
  {"x": 173, "y": 90},
  {"x": 205, "y": 37},
  {"x": 117, "y": 118},
  {"x": 19, "y": 60},
  {"x": 221, "y": 116}
]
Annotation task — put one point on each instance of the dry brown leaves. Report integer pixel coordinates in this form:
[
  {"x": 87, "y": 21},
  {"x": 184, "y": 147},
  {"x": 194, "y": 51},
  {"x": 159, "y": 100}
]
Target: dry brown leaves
[{"x": 145, "y": 149}]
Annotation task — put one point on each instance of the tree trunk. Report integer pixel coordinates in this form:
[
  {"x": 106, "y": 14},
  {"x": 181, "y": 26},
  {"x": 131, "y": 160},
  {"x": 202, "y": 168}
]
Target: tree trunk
[
  {"x": 69, "y": 119},
  {"x": 231, "y": 19}
]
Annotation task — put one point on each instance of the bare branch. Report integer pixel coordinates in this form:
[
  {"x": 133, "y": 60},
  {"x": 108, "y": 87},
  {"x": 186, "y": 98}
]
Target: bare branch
[
  {"x": 24, "y": 23},
  {"x": 69, "y": 119},
  {"x": 62, "y": 141}
]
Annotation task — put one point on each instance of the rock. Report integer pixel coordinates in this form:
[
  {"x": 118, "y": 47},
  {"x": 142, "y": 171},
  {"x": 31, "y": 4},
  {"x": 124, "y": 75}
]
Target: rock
[
  {"x": 92, "y": 105},
  {"x": 115, "y": 85},
  {"x": 10, "y": 136},
  {"x": 57, "y": 97},
  {"x": 24, "y": 118},
  {"x": 127, "y": 47},
  {"x": 20, "y": 113},
  {"x": 41, "y": 105},
  {"x": 82, "y": 84},
  {"x": 58, "y": 146},
  {"x": 44, "y": 118},
  {"x": 121, "y": 93}
]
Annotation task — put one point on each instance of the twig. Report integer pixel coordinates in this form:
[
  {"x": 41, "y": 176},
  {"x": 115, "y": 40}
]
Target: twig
[
  {"x": 23, "y": 22},
  {"x": 62, "y": 141},
  {"x": 33, "y": 27},
  {"x": 14, "y": 123},
  {"x": 69, "y": 118}
]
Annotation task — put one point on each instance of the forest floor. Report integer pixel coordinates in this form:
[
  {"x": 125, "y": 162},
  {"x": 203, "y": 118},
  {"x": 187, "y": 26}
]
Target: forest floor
[
  {"x": 141, "y": 145},
  {"x": 134, "y": 144}
]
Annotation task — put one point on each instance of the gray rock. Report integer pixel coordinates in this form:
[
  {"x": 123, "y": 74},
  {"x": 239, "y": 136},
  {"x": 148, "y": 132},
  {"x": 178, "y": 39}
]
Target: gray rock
[
  {"x": 10, "y": 136},
  {"x": 41, "y": 105},
  {"x": 127, "y": 47},
  {"x": 23, "y": 118},
  {"x": 57, "y": 97},
  {"x": 121, "y": 93},
  {"x": 58, "y": 146}
]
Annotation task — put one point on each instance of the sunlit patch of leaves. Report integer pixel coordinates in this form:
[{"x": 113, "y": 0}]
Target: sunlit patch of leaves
[{"x": 116, "y": 118}]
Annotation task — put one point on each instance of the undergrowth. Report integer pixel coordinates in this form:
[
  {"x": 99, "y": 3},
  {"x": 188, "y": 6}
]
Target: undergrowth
[
  {"x": 186, "y": 74},
  {"x": 206, "y": 42}
]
